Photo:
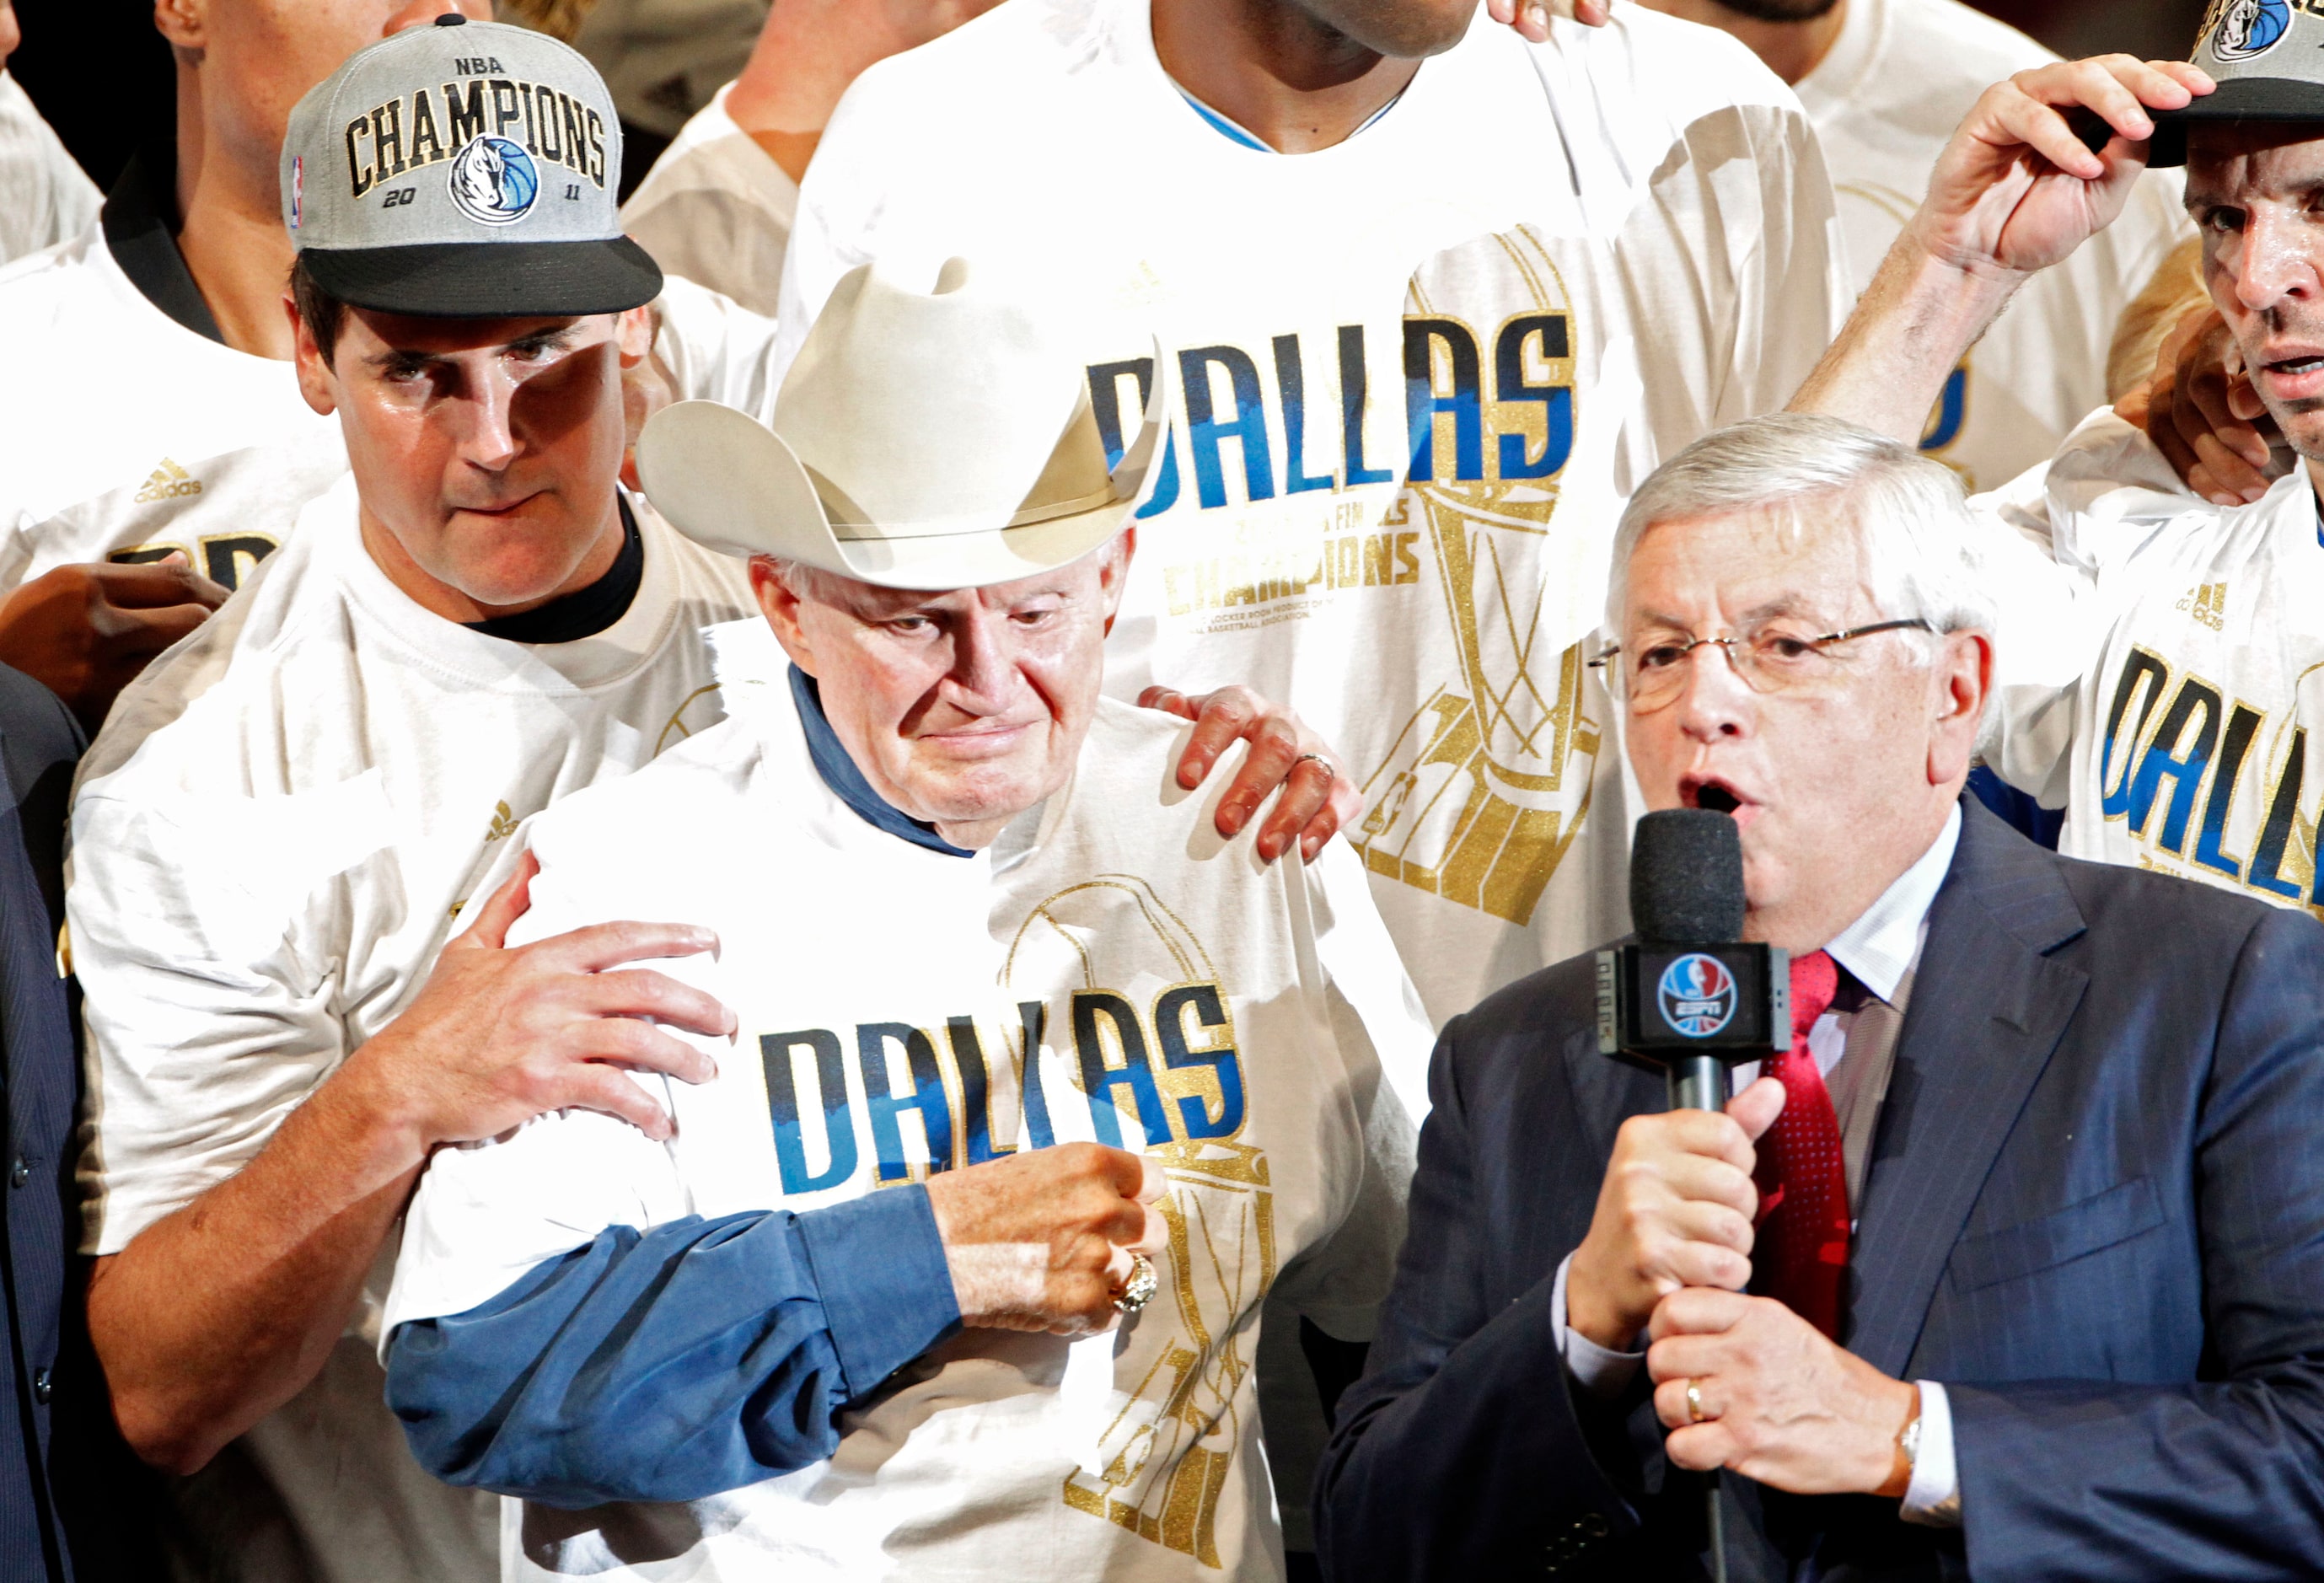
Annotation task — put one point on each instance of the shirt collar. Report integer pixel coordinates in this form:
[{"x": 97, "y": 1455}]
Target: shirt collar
[
  {"x": 846, "y": 781},
  {"x": 141, "y": 231},
  {"x": 1881, "y": 946},
  {"x": 1242, "y": 137}
]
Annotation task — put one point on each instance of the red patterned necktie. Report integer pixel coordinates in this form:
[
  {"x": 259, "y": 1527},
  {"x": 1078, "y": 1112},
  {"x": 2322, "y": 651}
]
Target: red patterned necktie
[{"x": 1801, "y": 1256}]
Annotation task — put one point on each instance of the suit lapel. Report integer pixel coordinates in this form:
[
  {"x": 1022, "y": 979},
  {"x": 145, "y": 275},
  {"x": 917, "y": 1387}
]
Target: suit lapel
[{"x": 1987, "y": 1008}]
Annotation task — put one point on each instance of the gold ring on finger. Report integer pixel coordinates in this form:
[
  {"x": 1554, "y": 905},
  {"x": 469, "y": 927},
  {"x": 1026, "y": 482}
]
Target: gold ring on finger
[
  {"x": 1694, "y": 1412},
  {"x": 1139, "y": 1289}
]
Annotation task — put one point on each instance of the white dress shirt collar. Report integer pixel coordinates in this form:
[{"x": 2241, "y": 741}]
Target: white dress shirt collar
[{"x": 1881, "y": 946}]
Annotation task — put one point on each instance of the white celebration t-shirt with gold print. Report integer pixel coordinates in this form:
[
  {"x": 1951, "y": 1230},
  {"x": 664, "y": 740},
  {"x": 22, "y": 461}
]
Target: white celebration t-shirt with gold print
[
  {"x": 1538, "y": 272},
  {"x": 1110, "y": 970},
  {"x": 274, "y": 837},
  {"x": 2165, "y": 685}
]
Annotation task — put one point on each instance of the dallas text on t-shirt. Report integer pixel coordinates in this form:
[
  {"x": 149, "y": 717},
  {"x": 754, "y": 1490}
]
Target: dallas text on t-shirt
[
  {"x": 2198, "y": 736},
  {"x": 1448, "y": 413},
  {"x": 1197, "y": 1094}
]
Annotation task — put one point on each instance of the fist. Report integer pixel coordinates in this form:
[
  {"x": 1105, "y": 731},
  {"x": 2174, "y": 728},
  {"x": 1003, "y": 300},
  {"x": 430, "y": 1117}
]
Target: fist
[
  {"x": 1676, "y": 1209},
  {"x": 1043, "y": 1240}
]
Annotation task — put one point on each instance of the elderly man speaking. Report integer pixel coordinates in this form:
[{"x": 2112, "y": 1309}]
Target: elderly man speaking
[
  {"x": 2063, "y": 1114},
  {"x": 1041, "y": 1085}
]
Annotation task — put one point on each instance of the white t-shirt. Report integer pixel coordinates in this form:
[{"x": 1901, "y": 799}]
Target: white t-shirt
[
  {"x": 130, "y": 434},
  {"x": 272, "y": 838},
  {"x": 1599, "y": 248},
  {"x": 717, "y": 210},
  {"x": 1247, "y": 1027},
  {"x": 2166, "y": 691},
  {"x": 45, "y": 196},
  {"x": 1898, "y": 80}
]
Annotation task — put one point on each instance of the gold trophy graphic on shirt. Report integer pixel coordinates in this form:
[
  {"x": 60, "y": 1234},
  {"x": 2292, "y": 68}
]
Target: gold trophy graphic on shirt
[
  {"x": 1483, "y": 789},
  {"x": 1151, "y": 1002}
]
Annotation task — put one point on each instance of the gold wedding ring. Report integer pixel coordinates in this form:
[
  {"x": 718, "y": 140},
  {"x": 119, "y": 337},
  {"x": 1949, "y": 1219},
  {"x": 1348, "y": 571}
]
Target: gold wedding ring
[
  {"x": 1139, "y": 1289},
  {"x": 1694, "y": 1412}
]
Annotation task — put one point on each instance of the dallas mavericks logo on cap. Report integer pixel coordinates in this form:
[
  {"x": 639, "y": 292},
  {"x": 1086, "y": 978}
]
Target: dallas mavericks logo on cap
[
  {"x": 494, "y": 181},
  {"x": 1696, "y": 996},
  {"x": 2250, "y": 27}
]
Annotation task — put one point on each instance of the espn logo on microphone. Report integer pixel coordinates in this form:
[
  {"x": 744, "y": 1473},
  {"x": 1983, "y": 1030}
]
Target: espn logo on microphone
[{"x": 1657, "y": 1000}]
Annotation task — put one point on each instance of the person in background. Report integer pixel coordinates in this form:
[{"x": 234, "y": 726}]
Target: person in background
[
  {"x": 717, "y": 207},
  {"x": 118, "y": 538},
  {"x": 1886, "y": 82},
  {"x": 2162, "y": 691},
  {"x": 73, "y": 1506},
  {"x": 45, "y": 196}
]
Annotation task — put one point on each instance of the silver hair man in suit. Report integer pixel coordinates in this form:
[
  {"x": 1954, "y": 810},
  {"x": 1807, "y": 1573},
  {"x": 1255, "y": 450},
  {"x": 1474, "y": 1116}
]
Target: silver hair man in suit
[{"x": 2004, "y": 1266}]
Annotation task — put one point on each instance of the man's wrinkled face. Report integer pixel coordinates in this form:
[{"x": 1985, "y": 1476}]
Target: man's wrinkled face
[
  {"x": 1405, "y": 29},
  {"x": 1833, "y": 779},
  {"x": 964, "y": 708},
  {"x": 488, "y": 449},
  {"x": 2256, "y": 193}
]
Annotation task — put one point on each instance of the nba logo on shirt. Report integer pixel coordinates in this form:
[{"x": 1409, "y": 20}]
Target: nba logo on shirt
[
  {"x": 1696, "y": 996},
  {"x": 2250, "y": 27},
  {"x": 493, "y": 181}
]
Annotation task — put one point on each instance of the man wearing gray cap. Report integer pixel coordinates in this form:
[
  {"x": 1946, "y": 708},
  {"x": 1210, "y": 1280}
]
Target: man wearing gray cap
[
  {"x": 956, "y": 927},
  {"x": 282, "y": 822}
]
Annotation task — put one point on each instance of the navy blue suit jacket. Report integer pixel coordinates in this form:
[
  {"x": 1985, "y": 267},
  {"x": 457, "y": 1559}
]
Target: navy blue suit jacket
[
  {"x": 2095, "y": 1211},
  {"x": 38, "y": 1076}
]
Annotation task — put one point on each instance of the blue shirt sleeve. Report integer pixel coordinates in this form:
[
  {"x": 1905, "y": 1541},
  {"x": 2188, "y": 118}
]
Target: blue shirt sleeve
[{"x": 677, "y": 1363}]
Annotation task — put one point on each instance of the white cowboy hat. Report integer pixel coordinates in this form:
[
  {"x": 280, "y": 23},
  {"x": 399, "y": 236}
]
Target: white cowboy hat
[{"x": 942, "y": 440}]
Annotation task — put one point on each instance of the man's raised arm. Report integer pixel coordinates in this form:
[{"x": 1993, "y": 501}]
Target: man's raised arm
[{"x": 2016, "y": 190}]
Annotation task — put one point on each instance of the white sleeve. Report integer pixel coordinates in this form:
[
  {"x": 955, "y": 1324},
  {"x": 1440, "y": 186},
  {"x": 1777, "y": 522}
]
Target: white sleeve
[
  {"x": 2065, "y": 548},
  {"x": 1384, "y": 1040},
  {"x": 209, "y": 1005},
  {"x": 1602, "y": 1373},
  {"x": 1739, "y": 251},
  {"x": 846, "y": 185},
  {"x": 716, "y": 349},
  {"x": 1934, "y": 1497}
]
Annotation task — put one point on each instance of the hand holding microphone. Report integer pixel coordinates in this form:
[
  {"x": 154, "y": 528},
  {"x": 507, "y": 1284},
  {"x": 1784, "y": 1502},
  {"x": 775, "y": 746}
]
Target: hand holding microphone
[{"x": 1676, "y": 1209}]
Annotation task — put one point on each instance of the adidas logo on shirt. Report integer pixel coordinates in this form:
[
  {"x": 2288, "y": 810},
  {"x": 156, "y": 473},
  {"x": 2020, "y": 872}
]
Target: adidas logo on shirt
[{"x": 168, "y": 481}]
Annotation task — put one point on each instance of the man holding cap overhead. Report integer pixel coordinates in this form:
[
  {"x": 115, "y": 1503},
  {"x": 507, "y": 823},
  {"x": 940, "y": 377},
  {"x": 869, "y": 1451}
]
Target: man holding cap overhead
[
  {"x": 2162, "y": 688},
  {"x": 843, "y": 1315},
  {"x": 283, "y": 819}
]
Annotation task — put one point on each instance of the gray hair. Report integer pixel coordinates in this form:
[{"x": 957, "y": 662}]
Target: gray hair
[{"x": 1908, "y": 512}]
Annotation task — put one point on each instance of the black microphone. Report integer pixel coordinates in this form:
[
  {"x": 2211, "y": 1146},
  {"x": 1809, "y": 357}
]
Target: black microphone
[{"x": 1687, "y": 996}]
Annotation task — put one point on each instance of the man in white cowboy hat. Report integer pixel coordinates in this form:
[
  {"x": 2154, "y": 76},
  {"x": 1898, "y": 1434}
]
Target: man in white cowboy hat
[
  {"x": 286, "y": 820},
  {"x": 959, "y": 936}
]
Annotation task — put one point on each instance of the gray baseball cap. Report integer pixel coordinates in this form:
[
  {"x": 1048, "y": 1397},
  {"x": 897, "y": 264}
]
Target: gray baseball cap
[
  {"x": 463, "y": 171},
  {"x": 2267, "y": 56}
]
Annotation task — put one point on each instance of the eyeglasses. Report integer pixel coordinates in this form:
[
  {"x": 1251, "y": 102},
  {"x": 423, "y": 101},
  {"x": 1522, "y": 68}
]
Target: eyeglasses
[{"x": 1768, "y": 659}]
